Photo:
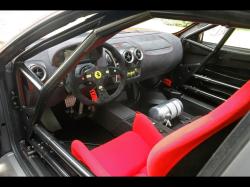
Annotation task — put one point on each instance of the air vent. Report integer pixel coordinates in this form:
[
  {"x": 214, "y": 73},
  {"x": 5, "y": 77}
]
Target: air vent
[
  {"x": 128, "y": 56},
  {"x": 39, "y": 71},
  {"x": 138, "y": 54}
]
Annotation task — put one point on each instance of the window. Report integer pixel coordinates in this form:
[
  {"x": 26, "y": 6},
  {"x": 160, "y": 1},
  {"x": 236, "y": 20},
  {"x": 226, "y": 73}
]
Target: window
[
  {"x": 239, "y": 38},
  {"x": 163, "y": 25},
  {"x": 215, "y": 34}
]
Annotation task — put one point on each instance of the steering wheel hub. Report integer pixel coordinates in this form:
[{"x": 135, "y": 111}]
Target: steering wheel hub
[{"x": 88, "y": 81}]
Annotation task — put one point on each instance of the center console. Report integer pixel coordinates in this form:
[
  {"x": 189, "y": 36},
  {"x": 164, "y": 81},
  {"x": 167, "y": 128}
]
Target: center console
[{"x": 118, "y": 118}]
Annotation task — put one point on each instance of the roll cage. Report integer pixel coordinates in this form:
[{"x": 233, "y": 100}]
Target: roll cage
[{"x": 104, "y": 25}]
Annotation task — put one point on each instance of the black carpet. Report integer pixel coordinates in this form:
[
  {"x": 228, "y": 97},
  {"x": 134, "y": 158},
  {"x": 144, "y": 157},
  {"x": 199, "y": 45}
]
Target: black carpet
[{"x": 84, "y": 129}]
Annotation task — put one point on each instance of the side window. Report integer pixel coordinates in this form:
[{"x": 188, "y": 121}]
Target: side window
[
  {"x": 214, "y": 35},
  {"x": 240, "y": 37}
]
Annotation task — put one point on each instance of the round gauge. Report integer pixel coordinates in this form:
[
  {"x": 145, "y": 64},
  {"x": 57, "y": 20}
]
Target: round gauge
[{"x": 108, "y": 58}]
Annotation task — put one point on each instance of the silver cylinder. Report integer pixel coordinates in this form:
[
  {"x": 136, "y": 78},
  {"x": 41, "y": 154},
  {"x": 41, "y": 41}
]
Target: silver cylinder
[{"x": 166, "y": 111}]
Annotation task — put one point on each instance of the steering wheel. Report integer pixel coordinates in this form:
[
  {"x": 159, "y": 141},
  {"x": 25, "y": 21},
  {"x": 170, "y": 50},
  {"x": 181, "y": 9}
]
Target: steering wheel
[{"x": 88, "y": 81}]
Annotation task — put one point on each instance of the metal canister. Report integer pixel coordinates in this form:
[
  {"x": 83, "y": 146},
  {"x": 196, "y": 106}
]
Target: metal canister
[{"x": 166, "y": 111}]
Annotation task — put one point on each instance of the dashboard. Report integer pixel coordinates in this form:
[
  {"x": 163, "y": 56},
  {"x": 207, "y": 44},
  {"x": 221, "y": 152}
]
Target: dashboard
[{"x": 147, "y": 54}]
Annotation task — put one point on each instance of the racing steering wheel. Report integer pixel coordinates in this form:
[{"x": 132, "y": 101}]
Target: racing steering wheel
[{"x": 88, "y": 81}]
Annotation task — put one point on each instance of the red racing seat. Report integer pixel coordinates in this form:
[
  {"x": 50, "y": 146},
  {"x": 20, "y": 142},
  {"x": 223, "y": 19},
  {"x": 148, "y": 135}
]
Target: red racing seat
[{"x": 144, "y": 152}]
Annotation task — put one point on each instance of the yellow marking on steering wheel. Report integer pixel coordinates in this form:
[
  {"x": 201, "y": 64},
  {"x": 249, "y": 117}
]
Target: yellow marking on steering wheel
[{"x": 98, "y": 74}]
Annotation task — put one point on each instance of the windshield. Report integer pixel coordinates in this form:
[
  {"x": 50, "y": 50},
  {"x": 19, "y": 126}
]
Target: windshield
[{"x": 12, "y": 23}]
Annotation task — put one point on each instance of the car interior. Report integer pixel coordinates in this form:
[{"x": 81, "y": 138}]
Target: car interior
[{"x": 142, "y": 103}]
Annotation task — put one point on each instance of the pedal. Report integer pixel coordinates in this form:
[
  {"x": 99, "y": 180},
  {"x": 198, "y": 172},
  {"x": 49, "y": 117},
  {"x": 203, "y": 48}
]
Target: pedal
[{"x": 70, "y": 101}]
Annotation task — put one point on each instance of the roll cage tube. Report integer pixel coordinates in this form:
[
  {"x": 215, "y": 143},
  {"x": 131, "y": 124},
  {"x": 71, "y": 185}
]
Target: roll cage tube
[{"x": 94, "y": 39}]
